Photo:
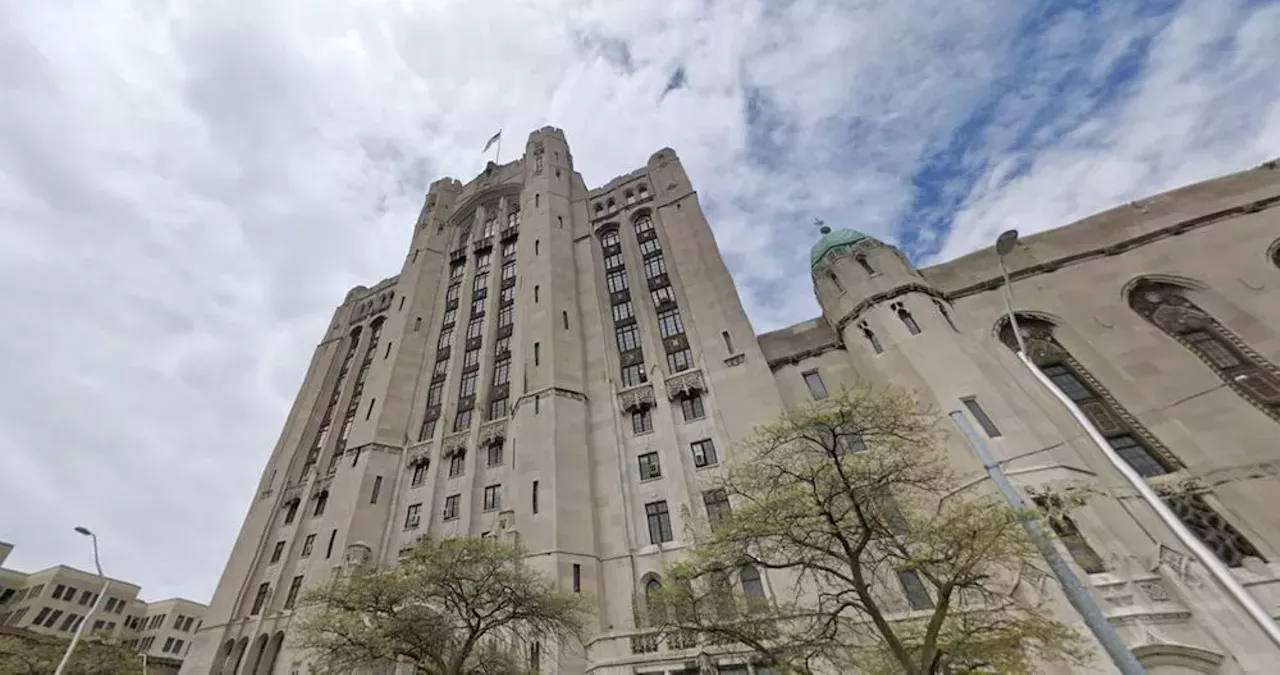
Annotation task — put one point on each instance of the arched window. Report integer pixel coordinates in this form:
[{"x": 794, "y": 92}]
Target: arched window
[
  {"x": 1130, "y": 438},
  {"x": 1254, "y": 378},
  {"x": 905, "y": 317},
  {"x": 643, "y": 223},
  {"x": 644, "y": 191},
  {"x": 752, "y": 587},
  {"x": 866, "y": 266},
  {"x": 871, "y": 337},
  {"x": 609, "y": 238},
  {"x": 321, "y": 500},
  {"x": 611, "y": 204},
  {"x": 631, "y": 197},
  {"x": 835, "y": 280},
  {"x": 653, "y": 601},
  {"x": 290, "y": 510},
  {"x": 463, "y": 236},
  {"x": 1219, "y": 535}
]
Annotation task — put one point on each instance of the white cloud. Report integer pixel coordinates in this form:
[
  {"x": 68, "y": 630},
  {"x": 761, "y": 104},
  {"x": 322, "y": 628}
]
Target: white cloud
[{"x": 186, "y": 190}]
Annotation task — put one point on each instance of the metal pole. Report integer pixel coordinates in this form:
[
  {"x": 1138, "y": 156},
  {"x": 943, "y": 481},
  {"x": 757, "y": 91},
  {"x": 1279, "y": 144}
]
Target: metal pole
[
  {"x": 1075, "y": 591},
  {"x": 1008, "y": 306},
  {"x": 66, "y": 656},
  {"x": 1220, "y": 572}
]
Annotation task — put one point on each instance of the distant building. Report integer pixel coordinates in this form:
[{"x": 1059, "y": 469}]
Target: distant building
[
  {"x": 55, "y": 601},
  {"x": 560, "y": 366}
]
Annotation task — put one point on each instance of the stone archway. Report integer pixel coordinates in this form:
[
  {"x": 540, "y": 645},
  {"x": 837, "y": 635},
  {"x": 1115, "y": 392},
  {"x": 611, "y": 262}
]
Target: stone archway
[
  {"x": 1170, "y": 659},
  {"x": 254, "y": 660},
  {"x": 267, "y": 663}
]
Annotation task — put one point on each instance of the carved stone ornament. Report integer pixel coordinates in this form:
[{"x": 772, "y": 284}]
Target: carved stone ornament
[
  {"x": 636, "y": 398},
  {"x": 356, "y": 555},
  {"x": 420, "y": 455},
  {"x": 322, "y": 484},
  {"x": 1155, "y": 590},
  {"x": 491, "y": 432},
  {"x": 684, "y": 384},
  {"x": 292, "y": 492},
  {"x": 735, "y": 360},
  {"x": 453, "y": 444}
]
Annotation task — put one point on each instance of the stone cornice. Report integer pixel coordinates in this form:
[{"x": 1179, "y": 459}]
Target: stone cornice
[
  {"x": 797, "y": 357},
  {"x": 885, "y": 296}
]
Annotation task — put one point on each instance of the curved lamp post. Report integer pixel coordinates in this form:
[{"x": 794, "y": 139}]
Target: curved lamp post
[{"x": 66, "y": 656}]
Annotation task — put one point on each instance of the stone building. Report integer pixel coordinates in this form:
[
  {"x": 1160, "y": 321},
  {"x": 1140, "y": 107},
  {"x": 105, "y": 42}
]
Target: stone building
[
  {"x": 56, "y": 600},
  {"x": 562, "y": 365}
]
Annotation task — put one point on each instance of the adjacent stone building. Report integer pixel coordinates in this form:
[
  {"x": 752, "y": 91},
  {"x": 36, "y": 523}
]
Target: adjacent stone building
[
  {"x": 55, "y": 601},
  {"x": 562, "y": 366}
]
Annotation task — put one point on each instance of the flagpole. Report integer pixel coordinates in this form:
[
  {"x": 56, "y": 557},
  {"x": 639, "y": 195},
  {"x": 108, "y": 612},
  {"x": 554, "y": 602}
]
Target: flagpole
[{"x": 497, "y": 155}]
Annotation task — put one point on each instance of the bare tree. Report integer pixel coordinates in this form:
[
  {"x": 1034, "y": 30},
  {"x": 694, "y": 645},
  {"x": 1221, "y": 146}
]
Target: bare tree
[
  {"x": 850, "y": 503},
  {"x": 451, "y": 607}
]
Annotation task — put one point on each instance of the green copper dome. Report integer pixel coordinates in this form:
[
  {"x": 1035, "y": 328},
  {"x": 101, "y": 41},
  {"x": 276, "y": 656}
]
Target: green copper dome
[{"x": 833, "y": 239}]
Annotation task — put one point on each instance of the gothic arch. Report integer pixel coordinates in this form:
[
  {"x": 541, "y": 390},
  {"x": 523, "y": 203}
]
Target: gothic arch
[
  {"x": 1131, "y": 439},
  {"x": 1166, "y": 303},
  {"x": 650, "y": 584},
  {"x": 1273, "y": 253},
  {"x": 1173, "y": 659},
  {"x": 222, "y": 656}
]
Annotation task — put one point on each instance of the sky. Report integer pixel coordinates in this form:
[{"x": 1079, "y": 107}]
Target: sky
[{"x": 187, "y": 189}]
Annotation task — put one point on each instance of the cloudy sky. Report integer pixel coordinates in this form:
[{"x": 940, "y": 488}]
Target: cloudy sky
[{"x": 187, "y": 189}]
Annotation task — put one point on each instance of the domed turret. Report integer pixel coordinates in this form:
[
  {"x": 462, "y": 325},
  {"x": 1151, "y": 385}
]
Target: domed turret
[{"x": 833, "y": 239}]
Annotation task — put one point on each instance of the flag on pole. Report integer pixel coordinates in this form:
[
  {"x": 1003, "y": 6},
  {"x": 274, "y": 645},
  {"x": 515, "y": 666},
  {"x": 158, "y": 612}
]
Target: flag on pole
[{"x": 492, "y": 140}]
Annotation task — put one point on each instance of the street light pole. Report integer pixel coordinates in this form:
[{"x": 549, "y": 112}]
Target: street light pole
[
  {"x": 66, "y": 656},
  {"x": 1220, "y": 573}
]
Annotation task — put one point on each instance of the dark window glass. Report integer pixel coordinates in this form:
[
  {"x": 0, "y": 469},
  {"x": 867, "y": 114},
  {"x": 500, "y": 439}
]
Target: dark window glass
[
  {"x": 817, "y": 388},
  {"x": 634, "y": 375},
  {"x": 649, "y": 466},
  {"x": 981, "y": 415},
  {"x": 680, "y": 361},
  {"x": 704, "y": 453},
  {"x": 670, "y": 323},
  {"x": 917, "y": 595},
  {"x": 642, "y": 421},
  {"x": 1137, "y": 456},
  {"x": 691, "y": 407},
  {"x": 659, "y": 522}
]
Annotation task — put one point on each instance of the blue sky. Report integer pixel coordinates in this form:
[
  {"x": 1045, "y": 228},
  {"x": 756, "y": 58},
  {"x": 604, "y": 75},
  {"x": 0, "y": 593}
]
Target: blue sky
[{"x": 187, "y": 189}]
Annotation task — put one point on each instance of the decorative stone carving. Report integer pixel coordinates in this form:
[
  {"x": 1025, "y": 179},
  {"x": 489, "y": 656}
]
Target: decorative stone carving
[
  {"x": 684, "y": 384},
  {"x": 1155, "y": 590},
  {"x": 419, "y": 454},
  {"x": 356, "y": 555},
  {"x": 322, "y": 484},
  {"x": 569, "y": 394},
  {"x": 453, "y": 444},
  {"x": 636, "y": 398},
  {"x": 735, "y": 360},
  {"x": 291, "y": 492},
  {"x": 493, "y": 431}
]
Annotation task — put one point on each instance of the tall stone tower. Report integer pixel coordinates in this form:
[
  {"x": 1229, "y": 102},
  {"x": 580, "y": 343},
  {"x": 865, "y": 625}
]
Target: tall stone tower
[{"x": 552, "y": 365}]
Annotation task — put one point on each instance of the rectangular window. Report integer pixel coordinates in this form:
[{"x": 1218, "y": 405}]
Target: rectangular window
[
  {"x": 507, "y": 296},
  {"x": 70, "y": 619},
  {"x": 634, "y": 375},
  {"x": 413, "y": 516},
  {"x": 294, "y": 587},
  {"x": 616, "y": 281},
  {"x": 471, "y": 358},
  {"x": 817, "y": 388},
  {"x": 450, "y": 317},
  {"x": 628, "y": 337},
  {"x": 495, "y": 453},
  {"x": 457, "y": 464},
  {"x": 691, "y": 407},
  {"x": 704, "y": 453},
  {"x": 614, "y": 261},
  {"x": 168, "y": 644},
  {"x": 451, "y": 506},
  {"x": 492, "y": 497},
  {"x": 482, "y": 263},
  {"x": 717, "y": 504},
  {"x": 506, "y": 316},
  {"x": 419, "y": 474},
  {"x": 428, "y": 428},
  {"x": 659, "y": 522},
  {"x": 477, "y": 307},
  {"x": 1069, "y": 534},
  {"x": 537, "y": 354},
  {"x": 680, "y": 361},
  {"x": 446, "y": 339},
  {"x": 307, "y": 545},
  {"x": 333, "y": 537},
  {"x": 622, "y": 311},
  {"x": 1137, "y": 456},
  {"x": 377, "y": 487},
  {"x": 577, "y": 578},
  {"x": 1212, "y": 348},
  {"x": 435, "y": 394},
  {"x": 509, "y": 248},
  {"x": 451, "y": 293},
  {"x": 1068, "y": 383},
  {"x": 654, "y": 266},
  {"x": 462, "y": 420},
  {"x": 57, "y": 591},
  {"x": 979, "y": 414},
  {"x": 275, "y": 552},
  {"x": 260, "y": 598},
  {"x": 502, "y": 346},
  {"x": 502, "y": 371},
  {"x": 474, "y": 328},
  {"x": 84, "y": 597},
  {"x": 649, "y": 467},
  {"x": 641, "y": 421},
  {"x": 662, "y": 296},
  {"x": 456, "y": 271},
  {"x": 53, "y": 618},
  {"x": 917, "y": 595},
  {"x": 508, "y": 270},
  {"x": 670, "y": 323},
  {"x": 535, "y": 496},
  {"x": 40, "y": 616},
  {"x": 649, "y": 247},
  {"x": 467, "y": 386},
  {"x": 498, "y": 408}
]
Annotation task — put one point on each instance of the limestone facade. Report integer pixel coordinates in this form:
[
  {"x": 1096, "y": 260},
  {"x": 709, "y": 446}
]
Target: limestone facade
[{"x": 562, "y": 366}]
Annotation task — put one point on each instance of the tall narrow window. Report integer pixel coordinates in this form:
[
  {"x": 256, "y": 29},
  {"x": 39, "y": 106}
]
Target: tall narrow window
[
  {"x": 1131, "y": 440},
  {"x": 659, "y": 522},
  {"x": 679, "y": 360},
  {"x": 728, "y": 341},
  {"x": 1069, "y": 534},
  {"x": 535, "y": 656},
  {"x": 946, "y": 315},
  {"x": 717, "y": 504},
  {"x": 333, "y": 536},
  {"x": 817, "y": 388},
  {"x": 377, "y": 487},
  {"x": 537, "y": 353},
  {"x": 451, "y": 506},
  {"x": 906, "y": 318},
  {"x": 321, "y": 500},
  {"x": 260, "y": 598},
  {"x": 866, "y": 266},
  {"x": 913, "y": 586},
  {"x": 871, "y": 338},
  {"x": 1252, "y": 376},
  {"x": 564, "y": 318},
  {"x": 649, "y": 466},
  {"x": 492, "y": 497},
  {"x": 641, "y": 421},
  {"x": 704, "y": 452},
  {"x": 752, "y": 585},
  {"x": 979, "y": 414},
  {"x": 292, "y": 597},
  {"x": 534, "y": 497},
  {"x": 277, "y": 552},
  {"x": 308, "y": 544},
  {"x": 691, "y": 407},
  {"x": 419, "y": 474},
  {"x": 577, "y": 578},
  {"x": 536, "y": 290}
]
